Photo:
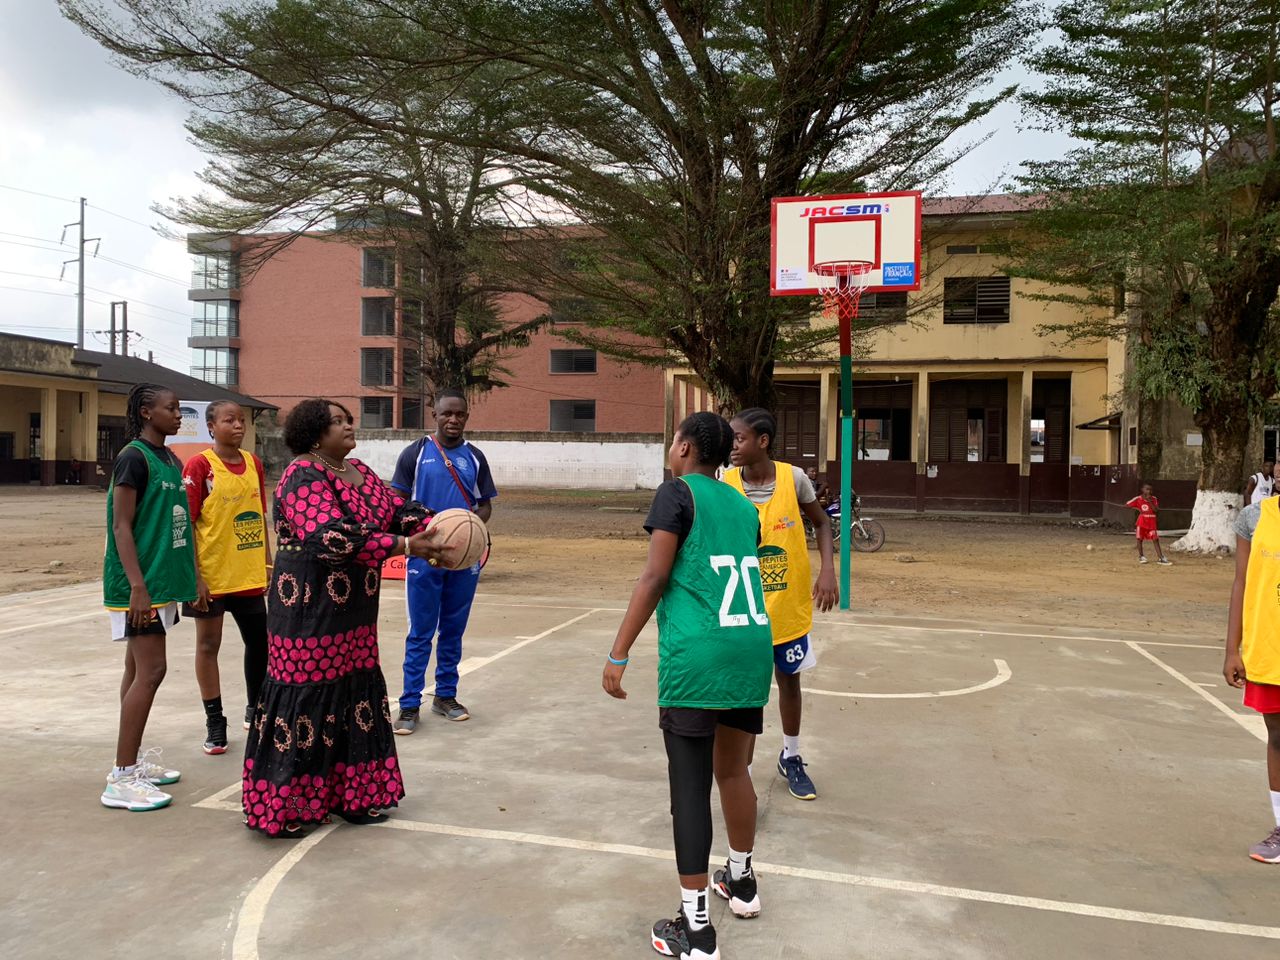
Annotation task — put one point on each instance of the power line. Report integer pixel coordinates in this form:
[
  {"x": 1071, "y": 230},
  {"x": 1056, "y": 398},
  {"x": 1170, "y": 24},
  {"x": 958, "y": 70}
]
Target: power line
[
  {"x": 94, "y": 206},
  {"x": 101, "y": 256},
  {"x": 36, "y": 193}
]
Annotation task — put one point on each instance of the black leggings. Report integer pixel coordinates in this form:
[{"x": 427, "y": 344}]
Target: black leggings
[
  {"x": 690, "y": 768},
  {"x": 251, "y": 620}
]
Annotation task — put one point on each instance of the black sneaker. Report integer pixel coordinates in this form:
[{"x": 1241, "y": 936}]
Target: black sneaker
[
  {"x": 248, "y": 717},
  {"x": 449, "y": 708},
  {"x": 673, "y": 938},
  {"x": 743, "y": 898},
  {"x": 215, "y": 740},
  {"x": 406, "y": 723}
]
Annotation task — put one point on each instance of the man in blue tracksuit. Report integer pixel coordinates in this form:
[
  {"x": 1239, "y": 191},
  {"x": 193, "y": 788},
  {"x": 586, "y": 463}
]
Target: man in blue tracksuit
[{"x": 440, "y": 471}]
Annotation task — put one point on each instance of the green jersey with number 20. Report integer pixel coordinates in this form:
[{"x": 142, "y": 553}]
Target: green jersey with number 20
[{"x": 715, "y": 648}]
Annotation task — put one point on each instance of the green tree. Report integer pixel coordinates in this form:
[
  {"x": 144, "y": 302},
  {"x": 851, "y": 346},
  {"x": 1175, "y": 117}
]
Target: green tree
[
  {"x": 1165, "y": 221},
  {"x": 306, "y": 131},
  {"x": 667, "y": 128}
]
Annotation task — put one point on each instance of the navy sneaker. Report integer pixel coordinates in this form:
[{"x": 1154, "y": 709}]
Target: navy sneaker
[
  {"x": 798, "y": 781},
  {"x": 673, "y": 938}
]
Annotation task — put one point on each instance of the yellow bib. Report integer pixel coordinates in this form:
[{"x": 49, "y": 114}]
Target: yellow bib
[
  {"x": 784, "y": 556},
  {"x": 1260, "y": 644},
  {"x": 230, "y": 531}
]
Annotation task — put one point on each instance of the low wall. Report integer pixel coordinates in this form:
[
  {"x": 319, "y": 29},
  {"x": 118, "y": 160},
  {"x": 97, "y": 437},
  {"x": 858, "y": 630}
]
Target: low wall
[{"x": 625, "y": 461}]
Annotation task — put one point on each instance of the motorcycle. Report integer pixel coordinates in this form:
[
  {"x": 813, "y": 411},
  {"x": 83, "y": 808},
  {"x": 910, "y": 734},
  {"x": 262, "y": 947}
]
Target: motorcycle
[{"x": 866, "y": 535}]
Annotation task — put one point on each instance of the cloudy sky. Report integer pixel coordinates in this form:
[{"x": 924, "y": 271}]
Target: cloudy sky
[{"x": 74, "y": 125}]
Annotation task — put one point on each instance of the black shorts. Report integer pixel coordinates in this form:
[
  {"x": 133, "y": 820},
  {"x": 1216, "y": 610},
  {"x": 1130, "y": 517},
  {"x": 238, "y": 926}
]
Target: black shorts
[
  {"x": 230, "y": 604},
  {"x": 697, "y": 722}
]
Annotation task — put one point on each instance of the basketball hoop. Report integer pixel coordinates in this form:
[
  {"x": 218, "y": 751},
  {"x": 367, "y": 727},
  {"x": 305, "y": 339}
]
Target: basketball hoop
[{"x": 842, "y": 282}]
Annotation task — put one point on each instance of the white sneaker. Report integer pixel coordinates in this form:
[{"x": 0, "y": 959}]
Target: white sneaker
[
  {"x": 149, "y": 766},
  {"x": 133, "y": 792},
  {"x": 1142, "y": 559}
]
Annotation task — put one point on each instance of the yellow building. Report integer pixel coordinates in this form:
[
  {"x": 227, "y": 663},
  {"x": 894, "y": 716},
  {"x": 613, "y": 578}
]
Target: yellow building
[
  {"x": 962, "y": 401},
  {"x": 61, "y": 407}
]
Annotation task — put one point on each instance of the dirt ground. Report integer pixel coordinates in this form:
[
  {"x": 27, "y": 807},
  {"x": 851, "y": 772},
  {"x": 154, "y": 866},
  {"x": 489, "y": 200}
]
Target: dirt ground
[{"x": 592, "y": 544}]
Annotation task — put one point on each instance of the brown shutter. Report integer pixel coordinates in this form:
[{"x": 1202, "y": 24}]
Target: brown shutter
[
  {"x": 938, "y": 433},
  {"x": 994, "y": 423}
]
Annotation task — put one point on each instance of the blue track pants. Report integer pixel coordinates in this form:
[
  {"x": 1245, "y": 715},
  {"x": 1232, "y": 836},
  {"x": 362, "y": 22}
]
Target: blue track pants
[{"x": 439, "y": 603}]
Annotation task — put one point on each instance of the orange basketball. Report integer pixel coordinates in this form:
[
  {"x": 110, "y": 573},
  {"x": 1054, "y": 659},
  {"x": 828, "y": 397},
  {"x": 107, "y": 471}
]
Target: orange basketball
[{"x": 463, "y": 535}]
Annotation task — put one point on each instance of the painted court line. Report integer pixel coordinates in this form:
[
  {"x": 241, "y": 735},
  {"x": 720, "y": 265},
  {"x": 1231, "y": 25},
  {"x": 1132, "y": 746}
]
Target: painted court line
[
  {"x": 1253, "y": 725},
  {"x": 255, "y": 906},
  {"x": 61, "y": 599},
  {"x": 245, "y": 944},
  {"x": 52, "y": 623},
  {"x": 1003, "y": 673},
  {"x": 1007, "y": 633}
]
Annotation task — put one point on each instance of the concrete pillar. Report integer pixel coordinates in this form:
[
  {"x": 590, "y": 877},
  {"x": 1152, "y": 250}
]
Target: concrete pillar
[
  {"x": 1021, "y": 433},
  {"x": 88, "y": 454},
  {"x": 48, "y": 436},
  {"x": 920, "y": 440},
  {"x": 1020, "y": 426}
]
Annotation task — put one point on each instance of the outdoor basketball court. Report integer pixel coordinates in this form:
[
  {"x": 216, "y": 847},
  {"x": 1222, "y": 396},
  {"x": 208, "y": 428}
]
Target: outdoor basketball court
[{"x": 985, "y": 792}]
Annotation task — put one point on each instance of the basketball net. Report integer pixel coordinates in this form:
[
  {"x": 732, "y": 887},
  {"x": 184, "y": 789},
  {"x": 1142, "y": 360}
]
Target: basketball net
[{"x": 842, "y": 282}]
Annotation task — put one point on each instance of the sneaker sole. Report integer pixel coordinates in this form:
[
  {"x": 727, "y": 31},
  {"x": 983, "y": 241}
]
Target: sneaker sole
[
  {"x": 212, "y": 749},
  {"x": 811, "y": 796},
  {"x": 400, "y": 732},
  {"x": 741, "y": 908},
  {"x": 134, "y": 807},
  {"x": 1261, "y": 859},
  {"x": 441, "y": 713},
  {"x": 661, "y": 947},
  {"x": 166, "y": 781}
]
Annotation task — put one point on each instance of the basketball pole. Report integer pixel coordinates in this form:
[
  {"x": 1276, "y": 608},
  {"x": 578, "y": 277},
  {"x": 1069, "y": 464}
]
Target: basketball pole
[{"x": 847, "y": 311}]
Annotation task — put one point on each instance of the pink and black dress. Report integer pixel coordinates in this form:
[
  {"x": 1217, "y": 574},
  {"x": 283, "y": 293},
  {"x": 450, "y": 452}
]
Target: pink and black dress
[{"x": 321, "y": 737}]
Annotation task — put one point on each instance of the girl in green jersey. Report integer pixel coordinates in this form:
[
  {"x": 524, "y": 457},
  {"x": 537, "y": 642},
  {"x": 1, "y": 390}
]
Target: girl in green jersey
[
  {"x": 149, "y": 569},
  {"x": 715, "y": 659}
]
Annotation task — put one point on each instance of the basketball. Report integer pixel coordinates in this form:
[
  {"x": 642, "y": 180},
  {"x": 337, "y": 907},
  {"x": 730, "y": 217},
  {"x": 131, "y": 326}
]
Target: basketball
[{"x": 463, "y": 535}]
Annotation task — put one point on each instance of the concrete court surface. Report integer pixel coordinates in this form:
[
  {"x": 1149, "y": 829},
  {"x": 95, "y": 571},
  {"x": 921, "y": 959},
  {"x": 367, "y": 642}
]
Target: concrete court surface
[{"x": 986, "y": 792}]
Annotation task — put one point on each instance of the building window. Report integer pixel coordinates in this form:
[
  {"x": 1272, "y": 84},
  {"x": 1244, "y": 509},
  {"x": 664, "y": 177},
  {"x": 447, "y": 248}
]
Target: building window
[
  {"x": 378, "y": 366},
  {"x": 573, "y": 361},
  {"x": 216, "y": 318},
  {"x": 214, "y": 271},
  {"x": 967, "y": 421},
  {"x": 963, "y": 248},
  {"x": 411, "y": 414},
  {"x": 379, "y": 267},
  {"x": 33, "y": 436},
  {"x": 375, "y": 413},
  {"x": 573, "y": 416},
  {"x": 1050, "y": 417},
  {"x": 378, "y": 317},
  {"x": 6, "y": 446},
  {"x": 975, "y": 300},
  {"x": 217, "y": 365},
  {"x": 883, "y": 307}
]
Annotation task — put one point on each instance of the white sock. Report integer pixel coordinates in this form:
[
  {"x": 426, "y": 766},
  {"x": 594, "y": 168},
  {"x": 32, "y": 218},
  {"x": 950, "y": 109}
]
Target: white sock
[
  {"x": 119, "y": 773},
  {"x": 694, "y": 905},
  {"x": 739, "y": 864},
  {"x": 790, "y": 746},
  {"x": 1275, "y": 805}
]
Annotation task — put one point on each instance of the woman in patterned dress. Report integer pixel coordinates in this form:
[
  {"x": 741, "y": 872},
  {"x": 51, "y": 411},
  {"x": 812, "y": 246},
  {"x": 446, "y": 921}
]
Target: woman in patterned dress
[{"x": 321, "y": 739}]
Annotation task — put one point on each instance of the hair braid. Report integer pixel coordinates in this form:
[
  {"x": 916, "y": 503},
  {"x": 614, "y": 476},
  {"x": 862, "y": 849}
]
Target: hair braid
[
  {"x": 712, "y": 436},
  {"x": 142, "y": 396},
  {"x": 762, "y": 422}
]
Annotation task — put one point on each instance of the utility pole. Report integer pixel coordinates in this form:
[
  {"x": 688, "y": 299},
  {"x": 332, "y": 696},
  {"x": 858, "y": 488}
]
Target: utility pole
[
  {"x": 124, "y": 328},
  {"x": 79, "y": 261},
  {"x": 125, "y": 305}
]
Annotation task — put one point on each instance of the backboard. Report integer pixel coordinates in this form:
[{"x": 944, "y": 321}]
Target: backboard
[{"x": 883, "y": 228}]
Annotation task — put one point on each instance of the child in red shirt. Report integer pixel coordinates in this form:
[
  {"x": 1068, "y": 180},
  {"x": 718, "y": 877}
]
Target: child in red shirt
[{"x": 1147, "y": 507}]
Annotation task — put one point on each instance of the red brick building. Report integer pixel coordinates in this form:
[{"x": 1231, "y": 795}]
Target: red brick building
[{"x": 321, "y": 319}]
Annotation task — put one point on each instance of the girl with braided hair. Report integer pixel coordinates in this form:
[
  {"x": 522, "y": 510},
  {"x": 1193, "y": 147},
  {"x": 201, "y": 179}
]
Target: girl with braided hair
[
  {"x": 715, "y": 658},
  {"x": 148, "y": 569}
]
